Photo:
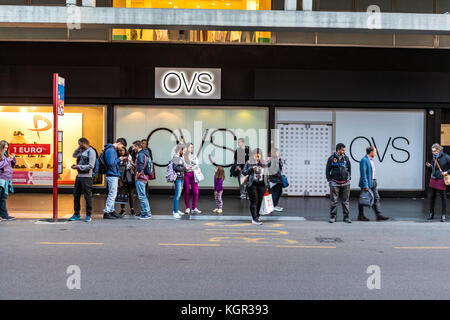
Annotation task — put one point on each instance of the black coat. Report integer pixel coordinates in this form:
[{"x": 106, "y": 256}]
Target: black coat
[{"x": 444, "y": 162}]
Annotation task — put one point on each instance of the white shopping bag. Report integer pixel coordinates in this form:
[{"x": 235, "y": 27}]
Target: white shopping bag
[
  {"x": 198, "y": 175},
  {"x": 267, "y": 205}
]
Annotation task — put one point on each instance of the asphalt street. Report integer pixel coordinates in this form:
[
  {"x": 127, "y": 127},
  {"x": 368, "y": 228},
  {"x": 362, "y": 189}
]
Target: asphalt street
[{"x": 163, "y": 259}]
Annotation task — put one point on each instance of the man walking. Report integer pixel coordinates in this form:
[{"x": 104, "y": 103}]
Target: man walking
[
  {"x": 86, "y": 157},
  {"x": 241, "y": 156},
  {"x": 368, "y": 180},
  {"x": 112, "y": 176},
  {"x": 338, "y": 176}
]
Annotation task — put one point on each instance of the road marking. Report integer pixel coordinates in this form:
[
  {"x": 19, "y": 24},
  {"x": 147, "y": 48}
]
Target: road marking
[
  {"x": 419, "y": 248},
  {"x": 307, "y": 247},
  {"x": 76, "y": 243},
  {"x": 247, "y": 231},
  {"x": 223, "y": 224},
  {"x": 190, "y": 244}
]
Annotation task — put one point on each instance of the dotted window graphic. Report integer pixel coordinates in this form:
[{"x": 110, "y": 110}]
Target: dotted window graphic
[{"x": 305, "y": 148}]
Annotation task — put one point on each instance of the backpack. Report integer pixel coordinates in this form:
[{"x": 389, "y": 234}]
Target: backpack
[
  {"x": 102, "y": 166},
  {"x": 148, "y": 166},
  {"x": 96, "y": 165},
  {"x": 171, "y": 175}
]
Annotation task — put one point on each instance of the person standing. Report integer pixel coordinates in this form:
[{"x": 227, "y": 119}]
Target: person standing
[
  {"x": 143, "y": 161},
  {"x": 190, "y": 180},
  {"x": 368, "y": 180},
  {"x": 439, "y": 167},
  {"x": 86, "y": 157},
  {"x": 241, "y": 156},
  {"x": 338, "y": 172},
  {"x": 219, "y": 177},
  {"x": 179, "y": 168},
  {"x": 257, "y": 183},
  {"x": 275, "y": 181},
  {"x": 112, "y": 176},
  {"x": 7, "y": 163},
  {"x": 126, "y": 182},
  {"x": 146, "y": 147}
]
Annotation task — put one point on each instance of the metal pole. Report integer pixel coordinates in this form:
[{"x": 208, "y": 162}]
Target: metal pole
[{"x": 55, "y": 147}]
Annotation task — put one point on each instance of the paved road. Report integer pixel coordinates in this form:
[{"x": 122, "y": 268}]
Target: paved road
[{"x": 159, "y": 259}]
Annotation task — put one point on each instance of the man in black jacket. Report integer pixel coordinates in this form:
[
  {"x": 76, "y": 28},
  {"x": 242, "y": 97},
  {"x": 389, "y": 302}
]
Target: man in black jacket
[
  {"x": 338, "y": 176},
  {"x": 241, "y": 156}
]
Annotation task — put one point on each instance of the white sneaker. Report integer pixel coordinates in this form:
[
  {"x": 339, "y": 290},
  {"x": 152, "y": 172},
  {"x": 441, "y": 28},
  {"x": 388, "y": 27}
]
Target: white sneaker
[
  {"x": 277, "y": 208},
  {"x": 176, "y": 215},
  {"x": 219, "y": 211},
  {"x": 196, "y": 211},
  {"x": 258, "y": 223},
  {"x": 180, "y": 212},
  {"x": 187, "y": 211}
]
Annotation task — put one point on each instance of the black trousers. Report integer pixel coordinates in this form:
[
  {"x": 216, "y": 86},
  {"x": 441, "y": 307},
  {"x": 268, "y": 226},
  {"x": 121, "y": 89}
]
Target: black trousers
[
  {"x": 256, "y": 196},
  {"x": 443, "y": 195},
  {"x": 277, "y": 190},
  {"x": 131, "y": 190},
  {"x": 3, "y": 210},
  {"x": 83, "y": 186}
]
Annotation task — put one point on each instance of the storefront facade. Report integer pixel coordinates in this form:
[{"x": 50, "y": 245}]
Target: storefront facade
[{"x": 303, "y": 100}]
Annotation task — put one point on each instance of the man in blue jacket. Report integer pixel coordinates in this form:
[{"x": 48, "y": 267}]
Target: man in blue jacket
[
  {"x": 368, "y": 180},
  {"x": 112, "y": 176}
]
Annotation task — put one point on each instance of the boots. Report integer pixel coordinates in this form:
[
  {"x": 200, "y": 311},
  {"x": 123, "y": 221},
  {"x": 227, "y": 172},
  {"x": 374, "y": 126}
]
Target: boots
[
  {"x": 380, "y": 217},
  {"x": 443, "y": 219},
  {"x": 430, "y": 216}
]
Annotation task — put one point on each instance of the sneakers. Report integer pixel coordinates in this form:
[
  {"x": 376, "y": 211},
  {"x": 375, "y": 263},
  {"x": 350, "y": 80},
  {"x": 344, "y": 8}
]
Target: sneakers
[
  {"x": 132, "y": 213},
  {"x": 180, "y": 213},
  {"x": 122, "y": 212},
  {"x": 215, "y": 210},
  {"x": 363, "y": 218},
  {"x": 243, "y": 197},
  {"x": 88, "y": 219},
  {"x": 145, "y": 217},
  {"x": 332, "y": 219},
  {"x": 219, "y": 210},
  {"x": 196, "y": 211},
  {"x": 75, "y": 217},
  {"x": 107, "y": 215},
  {"x": 187, "y": 211},
  {"x": 9, "y": 218},
  {"x": 176, "y": 215},
  {"x": 257, "y": 222},
  {"x": 443, "y": 218},
  {"x": 347, "y": 220},
  {"x": 380, "y": 217},
  {"x": 277, "y": 208},
  {"x": 117, "y": 216}
]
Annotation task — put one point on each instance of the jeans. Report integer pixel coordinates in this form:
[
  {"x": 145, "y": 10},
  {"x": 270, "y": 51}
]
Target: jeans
[
  {"x": 341, "y": 193},
  {"x": 277, "y": 190},
  {"x": 376, "y": 204},
  {"x": 113, "y": 183},
  {"x": 189, "y": 184},
  {"x": 241, "y": 186},
  {"x": 142, "y": 196},
  {"x": 83, "y": 185},
  {"x": 443, "y": 194},
  {"x": 178, "y": 190},
  {"x": 3, "y": 197},
  {"x": 256, "y": 196}
]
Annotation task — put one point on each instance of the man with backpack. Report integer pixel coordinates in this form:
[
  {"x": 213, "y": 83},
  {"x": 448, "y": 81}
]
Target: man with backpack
[
  {"x": 109, "y": 165},
  {"x": 143, "y": 170},
  {"x": 86, "y": 163}
]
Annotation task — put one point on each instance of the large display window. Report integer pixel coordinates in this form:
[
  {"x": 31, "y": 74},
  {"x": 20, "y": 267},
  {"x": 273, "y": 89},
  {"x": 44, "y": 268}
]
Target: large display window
[
  {"x": 193, "y": 35},
  {"x": 29, "y": 130},
  {"x": 213, "y": 131}
]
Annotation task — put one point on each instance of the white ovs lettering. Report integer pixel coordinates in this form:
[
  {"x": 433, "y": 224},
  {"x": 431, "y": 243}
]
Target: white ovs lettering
[{"x": 175, "y": 83}]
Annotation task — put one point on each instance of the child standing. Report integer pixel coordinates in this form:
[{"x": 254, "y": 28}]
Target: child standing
[{"x": 219, "y": 177}]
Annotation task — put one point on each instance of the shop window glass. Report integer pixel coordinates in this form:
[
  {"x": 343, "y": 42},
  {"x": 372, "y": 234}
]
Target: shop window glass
[
  {"x": 444, "y": 6},
  {"x": 414, "y": 6},
  {"x": 385, "y": 5},
  {"x": 193, "y": 35},
  {"x": 29, "y": 130},
  {"x": 335, "y": 5}
]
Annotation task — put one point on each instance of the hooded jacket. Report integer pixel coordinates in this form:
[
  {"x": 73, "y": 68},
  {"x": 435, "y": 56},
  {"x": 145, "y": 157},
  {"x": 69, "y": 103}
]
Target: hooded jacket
[{"x": 112, "y": 161}]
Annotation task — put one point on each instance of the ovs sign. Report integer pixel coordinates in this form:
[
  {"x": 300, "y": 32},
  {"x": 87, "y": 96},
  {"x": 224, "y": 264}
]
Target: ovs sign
[{"x": 187, "y": 83}]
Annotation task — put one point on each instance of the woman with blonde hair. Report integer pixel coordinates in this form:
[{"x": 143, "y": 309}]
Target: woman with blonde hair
[
  {"x": 439, "y": 166},
  {"x": 7, "y": 163}
]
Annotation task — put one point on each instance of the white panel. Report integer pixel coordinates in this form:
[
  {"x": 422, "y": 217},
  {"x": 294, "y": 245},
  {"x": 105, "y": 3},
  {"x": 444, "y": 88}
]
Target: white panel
[
  {"x": 319, "y": 149},
  {"x": 398, "y": 136},
  {"x": 304, "y": 115}
]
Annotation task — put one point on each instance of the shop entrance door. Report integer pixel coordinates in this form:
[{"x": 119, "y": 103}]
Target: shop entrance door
[{"x": 305, "y": 148}]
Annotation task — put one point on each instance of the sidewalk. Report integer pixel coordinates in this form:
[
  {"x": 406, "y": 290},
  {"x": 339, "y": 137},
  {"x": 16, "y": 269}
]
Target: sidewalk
[{"x": 39, "y": 206}]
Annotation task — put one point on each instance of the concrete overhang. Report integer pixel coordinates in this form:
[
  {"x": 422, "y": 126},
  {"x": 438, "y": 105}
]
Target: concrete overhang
[{"x": 242, "y": 20}]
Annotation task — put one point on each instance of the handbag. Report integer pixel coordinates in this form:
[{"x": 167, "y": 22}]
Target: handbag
[
  {"x": 267, "y": 204},
  {"x": 122, "y": 196},
  {"x": 284, "y": 180},
  {"x": 198, "y": 175},
  {"x": 446, "y": 177},
  {"x": 366, "y": 198}
]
